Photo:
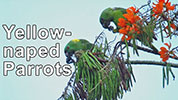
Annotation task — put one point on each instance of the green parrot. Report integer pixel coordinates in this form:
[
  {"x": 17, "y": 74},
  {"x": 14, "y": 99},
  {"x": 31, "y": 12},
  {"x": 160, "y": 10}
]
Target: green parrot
[
  {"x": 111, "y": 15},
  {"x": 76, "y": 45}
]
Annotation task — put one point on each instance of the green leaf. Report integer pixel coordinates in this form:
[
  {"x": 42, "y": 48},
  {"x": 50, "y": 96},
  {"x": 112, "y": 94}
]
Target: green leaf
[
  {"x": 92, "y": 79},
  {"x": 83, "y": 79},
  {"x": 103, "y": 90},
  {"x": 172, "y": 74},
  {"x": 135, "y": 47},
  {"x": 96, "y": 81},
  {"x": 95, "y": 61},
  {"x": 160, "y": 26},
  {"x": 105, "y": 45},
  {"x": 88, "y": 79},
  {"x": 169, "y": 28},
  {"x": 128, "y": 54},
  {"x": 164, "y": 77},
  {"x": 88, "y": 61},
  {"x": 167, "y": 73}
]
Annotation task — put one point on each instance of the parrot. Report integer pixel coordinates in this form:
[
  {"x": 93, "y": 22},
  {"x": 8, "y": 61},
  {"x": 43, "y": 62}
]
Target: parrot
[
  {"x": 76, "y": 45},
  {"x": 112, "y": 15}
]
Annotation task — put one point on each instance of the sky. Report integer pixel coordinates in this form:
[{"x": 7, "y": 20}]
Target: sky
[{"x": 81, "y": 17}]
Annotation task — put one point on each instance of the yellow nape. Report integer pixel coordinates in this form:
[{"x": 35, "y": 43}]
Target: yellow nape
[{"x": 75, "y": 40}]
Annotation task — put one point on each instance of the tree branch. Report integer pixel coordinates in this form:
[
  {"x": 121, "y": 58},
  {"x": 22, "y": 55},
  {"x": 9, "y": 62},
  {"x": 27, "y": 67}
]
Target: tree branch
[
  {"x": 69, "y": 84},
  {"x": 149, "y": 50},
  {"x": 174, "y": 65}
]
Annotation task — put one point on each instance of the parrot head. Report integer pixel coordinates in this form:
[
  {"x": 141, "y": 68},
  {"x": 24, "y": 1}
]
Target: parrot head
[
  {"x": 106, "y": 17},
  {"x": 109, "y": 18},
  {"x": 75, "y": 45}
]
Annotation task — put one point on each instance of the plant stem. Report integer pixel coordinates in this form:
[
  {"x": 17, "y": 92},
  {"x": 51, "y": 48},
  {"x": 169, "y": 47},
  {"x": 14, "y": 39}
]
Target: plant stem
[{"x": 174, "y": 65}]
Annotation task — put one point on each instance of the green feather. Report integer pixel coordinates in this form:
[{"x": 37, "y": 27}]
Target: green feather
[
  {"x": 111, "y": 15},
  {"x": 76, "y": 45}
]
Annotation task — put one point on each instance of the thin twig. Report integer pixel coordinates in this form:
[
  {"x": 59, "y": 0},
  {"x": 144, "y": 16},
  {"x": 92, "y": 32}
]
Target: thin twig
[
  {"x": 173, "y": 65},
  {"x": 150, "y": 51},
  {"x": 68, "y": 85},
  {"x": 96, "y": 40}
]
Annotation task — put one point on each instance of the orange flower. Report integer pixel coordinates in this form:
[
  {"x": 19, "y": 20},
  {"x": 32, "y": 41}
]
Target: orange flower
[
  {"x": 164, "y": 53},
  {"x": 158, "y": 8},
  {"x": 173, "y": 26},
  {"x": 123, "y": 38},
  {"x": 132, "y": 10},
  {"x": 169, "y": 7},
  {"x": 166, "y": 29},
  {"x": 123, "y": 31},
  {"x": 127, "y": 38},
  {"x": 136, "y": 28},
  {"x": 162, "y": 1},
  {"x": 129, "y": 24},
  {"x": 168, "y": 45},
  {"x": 122, "y": 22},
  {"x": 131, "y": 15}
]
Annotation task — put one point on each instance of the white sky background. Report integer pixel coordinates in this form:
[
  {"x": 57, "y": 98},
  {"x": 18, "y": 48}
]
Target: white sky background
[{"x": 82, "y": 18}]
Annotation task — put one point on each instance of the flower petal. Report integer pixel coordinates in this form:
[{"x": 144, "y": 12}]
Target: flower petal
[{"x": 168, "y": 45}]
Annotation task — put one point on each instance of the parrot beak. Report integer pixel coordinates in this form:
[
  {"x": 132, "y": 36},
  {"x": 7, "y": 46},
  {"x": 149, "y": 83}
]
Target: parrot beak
[
  {"x": 67, "y": 54},
  {"x": 69, "y": 60}
]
